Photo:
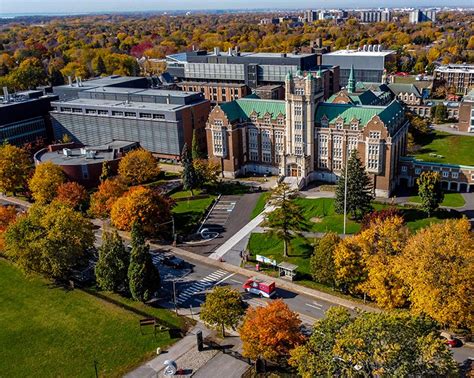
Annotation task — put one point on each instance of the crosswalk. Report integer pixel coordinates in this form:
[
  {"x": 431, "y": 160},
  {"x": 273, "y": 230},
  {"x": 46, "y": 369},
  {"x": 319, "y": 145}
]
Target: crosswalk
[{"x": 201, "y": 285}]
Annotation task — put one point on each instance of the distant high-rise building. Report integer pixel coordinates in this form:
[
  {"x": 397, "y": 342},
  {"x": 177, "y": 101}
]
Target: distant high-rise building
[
  {"x": 418, "y": 15},
  {"x": 310, "y": 15},
  {"x": 368, "y": 16}
]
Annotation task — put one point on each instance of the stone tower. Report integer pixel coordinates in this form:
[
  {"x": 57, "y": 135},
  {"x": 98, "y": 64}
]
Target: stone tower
[{"x": 300, "y": 96}]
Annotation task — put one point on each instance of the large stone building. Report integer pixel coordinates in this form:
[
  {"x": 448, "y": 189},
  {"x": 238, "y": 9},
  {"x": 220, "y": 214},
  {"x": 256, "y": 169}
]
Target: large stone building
[{"x": 304, "y": 139}]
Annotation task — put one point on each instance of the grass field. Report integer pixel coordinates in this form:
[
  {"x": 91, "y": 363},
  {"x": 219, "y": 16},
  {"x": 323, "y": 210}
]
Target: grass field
[
  {"x": 46, "y": 331},
  {"x": 441, "y": 147},
  {"x": 188, "y": 213},
  {"x": 185, "y": 193},
  {"x": 260, "y": 205},
  {"x": 450, "y": 200}
]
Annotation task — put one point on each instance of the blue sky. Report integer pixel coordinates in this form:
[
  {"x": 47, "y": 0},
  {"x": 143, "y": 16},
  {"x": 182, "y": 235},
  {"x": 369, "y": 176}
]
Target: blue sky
[{"x": 85, "y": 6}]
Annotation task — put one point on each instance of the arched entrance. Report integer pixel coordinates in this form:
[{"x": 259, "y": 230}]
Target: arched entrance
[
  {"x": 294, "y": 170},
  {"x": 463, "y": 187}
]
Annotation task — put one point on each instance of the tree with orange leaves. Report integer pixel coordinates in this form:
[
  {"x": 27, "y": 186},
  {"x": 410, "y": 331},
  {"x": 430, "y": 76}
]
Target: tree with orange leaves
[
  {"x": 102, "y": 200},
  {"x": 143, "y": 205},
  {"x": 72, "y": 194},
  {"x": 270, "y": 332},
  {"x": 8, "y": 215}
]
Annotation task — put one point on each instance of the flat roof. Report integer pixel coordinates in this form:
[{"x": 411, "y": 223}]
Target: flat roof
[
  {"x": 120, "y": 104},
  {"x": 214, "y": 83},
  {"x": 102, "y": 81},
  {"x": 141, "y": 91},
  {"x": 102, "y": 153},
  {"x": 360, "y": 53},
  {"x": 469, "y": 68}
]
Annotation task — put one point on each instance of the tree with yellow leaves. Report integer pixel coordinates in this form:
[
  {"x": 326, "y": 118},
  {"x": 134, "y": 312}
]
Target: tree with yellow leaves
[
  {"x": 138, "y": 167},
  {"x": 45, "y": 182},
  {"x": 437, "y": 264},
  {"x": 350, "y": 268},
  {"x": 8, "y": 214},
  {"x": 143, "y": 205},
  {"x": 270, "y": 332},
  {"x": 15, "y": 166},
  {"x": 380, "y": 244}
]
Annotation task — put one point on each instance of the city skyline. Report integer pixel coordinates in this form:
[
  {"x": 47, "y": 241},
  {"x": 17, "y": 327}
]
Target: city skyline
[{"x": 51, "y": 7}]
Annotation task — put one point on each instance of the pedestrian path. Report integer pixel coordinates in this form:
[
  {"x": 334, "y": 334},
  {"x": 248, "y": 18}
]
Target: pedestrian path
[{"x": 201, "y": 285}]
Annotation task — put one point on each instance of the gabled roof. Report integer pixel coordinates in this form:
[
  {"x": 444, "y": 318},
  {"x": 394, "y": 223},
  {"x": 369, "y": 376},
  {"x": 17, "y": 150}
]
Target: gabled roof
[
  {"x": 244, "y": 107},
  {"x": 358, "y": 98},
  {"x": 364, "y": 114},
  {"x": 397, "y": 88}
]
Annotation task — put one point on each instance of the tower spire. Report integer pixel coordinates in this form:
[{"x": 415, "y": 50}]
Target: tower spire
[{"x": 351, "y": 83}]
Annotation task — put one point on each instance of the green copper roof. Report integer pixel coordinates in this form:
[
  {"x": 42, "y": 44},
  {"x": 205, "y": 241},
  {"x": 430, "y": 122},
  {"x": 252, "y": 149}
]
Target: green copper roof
[
  {"x": 244, "y": 107},
  {"x": 363, "y": 98},
  {"x": 362, "y": 113}
]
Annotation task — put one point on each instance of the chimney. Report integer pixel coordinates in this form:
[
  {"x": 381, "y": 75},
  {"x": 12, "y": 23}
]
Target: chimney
[
  {"x": 168, "y": 99},
  {"x": 230, "y": 51},
  {"x": 69, "y": 79},
  {"x": 6, "y": 96}
]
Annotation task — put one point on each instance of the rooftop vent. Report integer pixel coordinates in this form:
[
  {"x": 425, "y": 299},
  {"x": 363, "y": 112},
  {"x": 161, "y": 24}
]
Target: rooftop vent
[{"x": 67, "y": 152}]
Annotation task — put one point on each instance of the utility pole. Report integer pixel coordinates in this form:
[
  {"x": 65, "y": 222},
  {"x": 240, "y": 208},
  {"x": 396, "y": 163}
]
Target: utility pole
[
  {"x": 174, "y": 297},
  {"x": 174, "y": 231},
  {"x": 345, "y": 195}
]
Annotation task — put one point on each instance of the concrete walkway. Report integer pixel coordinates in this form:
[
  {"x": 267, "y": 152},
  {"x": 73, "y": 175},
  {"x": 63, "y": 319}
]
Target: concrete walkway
[
  {"x": 451, "y": 130},
  {"x": 241, "y": 234}
]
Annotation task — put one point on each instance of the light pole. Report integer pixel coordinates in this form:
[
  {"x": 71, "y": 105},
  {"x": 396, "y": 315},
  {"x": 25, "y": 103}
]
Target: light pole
[
  {"x": 174, "y": 297},
  {"x": 345, "y": 196}
]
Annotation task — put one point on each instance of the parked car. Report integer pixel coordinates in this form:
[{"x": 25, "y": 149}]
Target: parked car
[
  {"x": 174, "y": 262},
  {"x": 450, "y": 341}
]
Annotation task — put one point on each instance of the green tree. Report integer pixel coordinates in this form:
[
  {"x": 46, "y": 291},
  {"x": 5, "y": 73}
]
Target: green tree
[
  {"x": 322, "y": 260},
  {"x": 196, "y": 151},
  {"x": 189, "y": 174},
  {"x": 430, "y": 191},
  {"x": 29, "y": 74},
  {"x": 143, "y": 277},
  {"x": 49, "y": 240},
  {"x": 440, "y": 113},
  {"x": 15, "y": 167},
  {"x": 286, "y": 221},
  {"x": 373, "y": 344},
  {"x": 100, "y": 66},
  {"x": 223, "y": 308},
  {"x": 359, "y": 189},
  {"x": 111, "y": 269}
]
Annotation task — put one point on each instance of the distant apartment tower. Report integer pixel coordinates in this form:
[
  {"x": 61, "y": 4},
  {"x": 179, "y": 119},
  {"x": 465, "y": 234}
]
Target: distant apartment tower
[
  {"x": 458, "y": 76},
  {"x": 368, "y": 16},
  {"x": 310, "y": 15},
  {"x": 418, "y": 15}
]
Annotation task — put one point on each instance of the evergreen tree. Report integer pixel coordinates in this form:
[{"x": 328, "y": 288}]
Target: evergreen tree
[
  {"x": 196, "y": 152},
  {"x": 143, "y": 277},
  {"x": 430, "y": 191},
  {"x": 189, "y": 174},
  {"x": 111, "y": 269},
  {"x": 359, "y": 189},
  {"x": 100, "y": 69},
  {"x": 56, "y": 77}
]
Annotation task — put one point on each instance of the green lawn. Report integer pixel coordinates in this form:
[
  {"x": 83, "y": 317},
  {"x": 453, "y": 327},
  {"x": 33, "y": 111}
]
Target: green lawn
[
  {"x": 299, "y": 253},
  {"x": 450, "y": 200},
  {"x": 321, "y": 217},
  {"x": 447, "y": 148},
  {"x": 260, "y": 205},
  {"x": 185, "y": 193},
  {"x": 47, "y": 331},
  {"x": 189, "y": 213}
]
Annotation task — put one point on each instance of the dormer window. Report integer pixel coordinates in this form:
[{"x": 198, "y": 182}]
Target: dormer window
[
  {"x": 324, "y": 122},
  {"x": 354, "y": 125},
  {"x": 339, "y": 125},
  {"x": 218, "y": 122},
  {"x": 268, "y": 120},
  {"x": 281, "y": 121},
  {"x": 253, "y": 118}
]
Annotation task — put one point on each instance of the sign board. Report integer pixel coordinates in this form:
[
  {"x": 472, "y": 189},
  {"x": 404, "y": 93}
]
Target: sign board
[{"x": 266, "y": 260}]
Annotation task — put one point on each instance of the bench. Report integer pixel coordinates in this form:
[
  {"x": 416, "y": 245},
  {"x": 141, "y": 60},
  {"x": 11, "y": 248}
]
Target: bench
[{"x": 151, "y": 322}]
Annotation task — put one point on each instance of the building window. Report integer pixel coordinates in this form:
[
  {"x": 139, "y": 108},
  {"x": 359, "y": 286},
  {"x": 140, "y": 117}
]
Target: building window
[
  {"x": 445, "y": 174},
  {"x": 337, "y": 165},
  {"x": 266, "y": 141},
  {"x": 253, "y": 139},
  {"x": 404, "y": 168},
  {"x": 76, "y": 110},
  {"x": 280, "y": 121},
  {"x": 158, "y": 116},
  {"x": 218, "y": 122},
  {"x": 68, "y": 110},
  {"x": 103, "y": 112},
  {"x": 374, "y": 134},
  {"x": 85, "y": 171},
  {"x": 352, "y": 143},
  {"x": 455, "y": 175},
  {"x": 323, "y": 163},
  {"x": 298, "y": 110},
  {"x": 324, "y": 122},
  {"x": 279, "y": 141},
  {"x": 298, "y": 150},
  {"x": 298, "y": 138},
  {"x": 339, "y": 125},
  {"x": 91, "y": 111},
  {"x": 130, "y": 114},
  {"x": 145, "y": 115},
  {"x": 253, "y": 118},
  {"x": 267, "y": 157},
  {"x": 299, "y": 91},
  {"x": 268, "y": 120},
  {"x": 373, "y": 157},
  {"x": 354, "y": 126},
  {"x": 298, "y": 125},
  {"x": 254, "y": 155},
  {"x": 117, "y": 113},
  {"x": 417, "y": 171},
  {"x": 218, "y": 142}
]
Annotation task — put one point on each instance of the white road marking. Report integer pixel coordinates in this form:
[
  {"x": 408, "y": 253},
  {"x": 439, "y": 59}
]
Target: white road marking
[
  {"x": 225, "y": 278},
  {"x": 313, "y": 306},
  {"x": 237, "y": 281}
]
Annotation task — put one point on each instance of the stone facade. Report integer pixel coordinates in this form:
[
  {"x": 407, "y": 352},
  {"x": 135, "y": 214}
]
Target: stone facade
[
  {"x": 216, "y": 92},
  {"x": 466, "y": 113},
  {"x": 306, "y": 139}
]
